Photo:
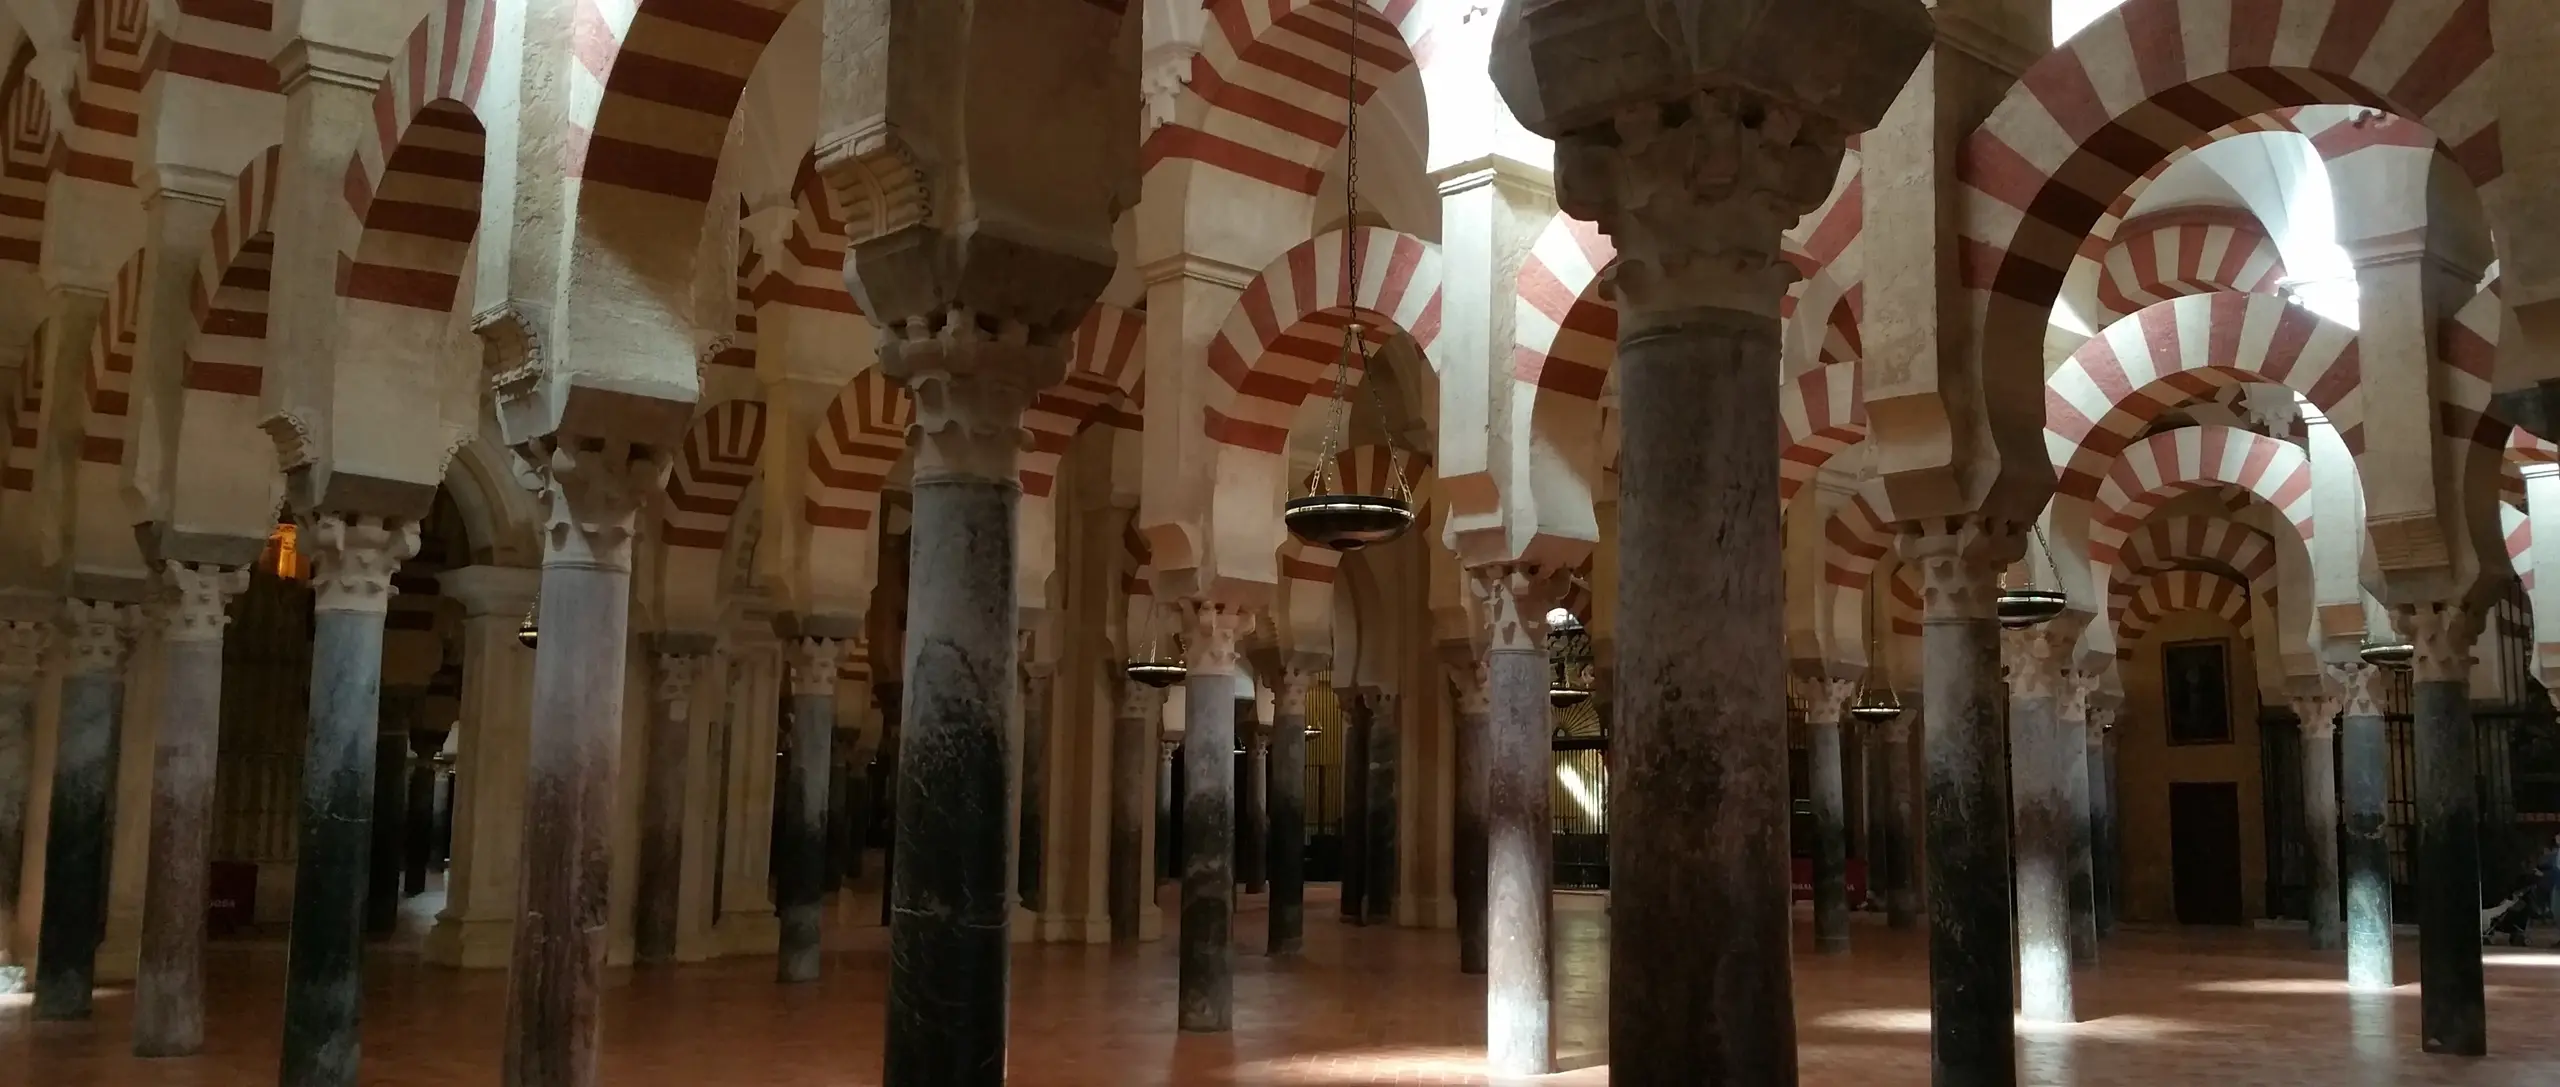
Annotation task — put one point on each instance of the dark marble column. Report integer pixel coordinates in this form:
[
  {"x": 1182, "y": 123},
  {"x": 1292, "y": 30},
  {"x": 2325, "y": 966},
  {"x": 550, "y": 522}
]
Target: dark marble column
[
  {"x": 168, "y": 998},
  {"x": 1031, "y": 852},
  {"x": 2071, "y": 745},
  {"x": 1901, "y": 872},
  {"x": 2038, "y": 664},
  {"x": 1253, "y": 825},
  {"x": 890, "y": 697},
  {"x": 1207, "y": 973},
  {"x": 844, "y": 805},
  {"x": 2452, "y": 998},
  {"x": 657, "y": 906},
  {"x": 1133, "y": 782},
  {"x": 22, "y": 644},
  {"x": 2319, "y": 716},
  {"x": 592, "y": 490},
  {"x": 1468, "y": 846},
  {"x": 1168, "y": 866},
  {"x": 1519, "y": 773},
  {"x": 1288, "y": 925},
  {"x": 417, "y": 854},
  {"x": 1354, "y": 851},
  {"x": 1386, "y": 756},
  {"x": 80, "y": 832},
  {"x": 2364, "y": 853},
  {"x": 401, "y": 704},
  {"x": 352, "y": 559},
  {"x": 800, "y": 811},
  {"x": 2102, "y": 814},
  {"x": 1972, "y": 991},
  {"x": 1824, "y": 706}
]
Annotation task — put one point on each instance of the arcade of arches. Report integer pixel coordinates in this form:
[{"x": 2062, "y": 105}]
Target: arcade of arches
[{"x": 617, "y": 541}]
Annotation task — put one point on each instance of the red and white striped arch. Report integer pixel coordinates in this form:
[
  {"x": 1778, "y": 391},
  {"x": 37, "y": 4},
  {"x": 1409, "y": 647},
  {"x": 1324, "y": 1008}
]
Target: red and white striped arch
[
  {"x": 2208, "y": 543},
  {"x": 663, "y": 77},
  {"x": 19, "y": 471},
  {"x": 809, "y": 271},
  {"x": 2187, "y": 251},
  {"x": 1823, "y": 411},
  {"x": 2519, "y": 541},
  {"x": 2174, "y": 462},
  {"x": 713, "y": 469},
  {"x": 1902, "y": 609},
  {"x": 26, "y": 162},
  {"x": 226, "y": 43},
  {"x": 2185, "y": 349},
  {"x": 1281, "y": 339},
  {"x": 107, "y": 382},
  {"x": 106, "y": 99},
  {"x": 2471, "y": 364},
  {"x": 1566, "y": 334},
  {"x": 2102, "y": 236},
  {"x": 2094, "y": 115},
  {"x": 2169, "y": 592},
  {"x": 1854, "y": 541},
  {"x": 1104, "y": 360},
  {"x": 1268, "y": 87},
  {"x": 1841, "y": 341},
  {"x": 228, "y": 354},
  {"x": 857, "y": 443}
]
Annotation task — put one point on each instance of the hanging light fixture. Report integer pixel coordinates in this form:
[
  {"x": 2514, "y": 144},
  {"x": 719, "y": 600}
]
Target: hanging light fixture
[
  {"x": 1156, "y": 669},
  {"x": 2025, "y": 606},
  {"x": 284, "y": 556},
  {"x": 2391, "y": 654},
  {"x": 529, "y": 631},
  {"x": 1569, "y": 664},
  {"x": 1330, "y": 514},
  {"x": 1875, "y": 705}
]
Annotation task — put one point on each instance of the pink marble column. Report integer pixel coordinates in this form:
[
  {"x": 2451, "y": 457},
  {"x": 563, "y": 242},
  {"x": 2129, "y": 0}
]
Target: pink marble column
[
  {"x": 168, "y": 1005},
  {"x": 1519, "y": 772},
  {"x": 680, "y": 657}
]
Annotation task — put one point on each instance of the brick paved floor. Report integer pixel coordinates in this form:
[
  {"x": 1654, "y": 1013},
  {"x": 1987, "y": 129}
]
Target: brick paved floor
[{"x": 1365, "y": 1006}]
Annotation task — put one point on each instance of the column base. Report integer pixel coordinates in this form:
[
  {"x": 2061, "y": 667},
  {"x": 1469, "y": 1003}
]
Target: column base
[{"x": 487, "y": 944}]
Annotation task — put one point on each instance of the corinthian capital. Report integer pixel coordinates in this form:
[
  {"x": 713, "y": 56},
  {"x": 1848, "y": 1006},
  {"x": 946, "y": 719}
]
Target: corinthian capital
[
  {"x": 1960, "y": 564},
  {"x": 1513, "y": 599},
  {"x": 971, "y": 376},
  {"x": 1469, "y": 679},
  {"x": 2318, "y": 713},
  {"x": 200, "y": 599},
  {"x": 677, "y": 673},
  {"x": 2360, "y": 691},
  {"x": 592, "y": 490},
  {"x": 1289, "y": 696},
  {"x": 22, "y": 643},
  {"x": 1215, "y": 629},
  {"x": 2443, "y": 635},
  {"x": 353, "y": 556},
  {"x": 2033, "y": 663},
  {"x": 99, "y": 634},
  {"x": 813, "y": 666},
  {"x": 2076, "y": 686},
  {"x": 1827, "y": 699}
]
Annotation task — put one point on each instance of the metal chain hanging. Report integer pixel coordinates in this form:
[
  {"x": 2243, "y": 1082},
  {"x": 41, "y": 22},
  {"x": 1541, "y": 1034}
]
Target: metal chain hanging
[{"x": 2029, "y": 606}]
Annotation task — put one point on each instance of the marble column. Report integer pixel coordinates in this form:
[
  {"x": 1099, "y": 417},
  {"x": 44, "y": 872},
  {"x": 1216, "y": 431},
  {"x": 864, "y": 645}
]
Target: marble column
[
  {"x": 1031, "y": 852},
  {"x": 2319, "y": 716},
  {"x": 847, "y": 801},
  {"x": 2071, "y": 746},
  {"x": 2364, "y": 851},
  {"x": 1253, "y": 829},
  {"x": 1468, "y": 853},
  {"x": 1167, "y": 865},
  {"x": 1386, "y": 751},
  {"x": 476, "y": 927},
  {"x": 352, "y": 559},
  {"x": 1901, "y": 870},
  {"x": 891, "y": 698},
  {"x": 1972, "y": 990},
  {"x": 1288, "y": 922},
  {"x": 2452, "y": 998},
  {"x": 1207, "y": 966},
  {"x": 79, "y": 827},
  {"x": 2102, "y": 815},
  {"x": 168, "y": 1000},
  {"x": 1133, "y": 782},
  {"x": 22, "y": 647},
  {"x": 1519, "y": 773},
  {"x": 592, "y": 488},
  {"x": 401, "y": 705},
  {"x": 654, "y": 916},
  {"x": 950, "y": 925},
  {"x": 2038, "y": 663},
  {"x": 800, "y": 859},
  {"x": 1825, "y": 704},
  {"x": 1354, "y": 851},
  {"x": 417, "y": 852}
]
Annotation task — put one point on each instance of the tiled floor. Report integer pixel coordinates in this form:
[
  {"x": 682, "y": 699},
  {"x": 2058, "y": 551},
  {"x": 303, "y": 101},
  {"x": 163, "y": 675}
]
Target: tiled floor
[{"x": 1365, "y": 1006}]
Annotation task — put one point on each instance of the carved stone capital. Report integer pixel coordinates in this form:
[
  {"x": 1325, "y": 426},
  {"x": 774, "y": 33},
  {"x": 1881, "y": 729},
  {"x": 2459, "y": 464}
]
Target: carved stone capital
[
  {"x": 512, "y": 355},
  {"x": 1513, "y": 599},
  {"x": 98, "y": 633},
  {"x": 2443, "y": 635},
  {"x": 1960, "y": 564},
  {"x": 677, "y": 673},
  {"x": 2102, "y": 720},
  {"x": 1826, "y": 700},
  {"x": 199, "y": 599},
  {"x": 592, "y": 491},
  {"x": 2360, "y": 688},
  {"x": 1695, "y": 192},
  {"x": 1215, "y": 630},
  {"x": 813, "y": 666},
  {"x": 2318, "y": 713},
  {"x": 878, "y": 179},
  {"x": 971, "y": 376},
  {"x": 1161, "y": 83},
  {"x": 1290, "y": 694},
  {"x": 2032, "y": 663},
  {"x": 1899, "y": 729},
  {"x": 1468, "y": 680},
  {"x": 1138, "y": 701},
  {"x": 353, "y": 556},
  {"x": 2076, "y": 686},
  {"x": 22, "y": 645}
]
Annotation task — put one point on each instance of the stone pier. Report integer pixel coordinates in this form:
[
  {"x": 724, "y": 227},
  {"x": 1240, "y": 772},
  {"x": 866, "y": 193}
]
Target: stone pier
[{"x": 168, "y": 1001}]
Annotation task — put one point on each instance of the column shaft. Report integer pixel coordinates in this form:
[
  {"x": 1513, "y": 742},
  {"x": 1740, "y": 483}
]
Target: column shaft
[
  {"x": 1288, "y": 813},
  {"x": 1830, "y": 839},
  {"x": 1520, "y": 870},
  {"x": 2320, "y": 833},
  {"x": 21, "y": 650},
  {"x": 2102, "y": 832},
  {"x": 2364, "y": 853},
  {"x": 1901, "y": 877},
  {"x": 1207, "y": 972},
  {"x": 2071, "y": 746},
  {"x": 390, "y": 808},
  {"x": 1254, "y": 835},
  {"x": 800, "y": 838},
  {"x": 324, "y": 965},
  {"x": 79, "y": 827},
  {"x": 950, "y": 923},
  {"x": 1469, "y": 832},
  {"x": 656, "y": 911},
  {"x": 2453, "y": 1016},
  {"x": 1032, "y": 851},
  {"x": 168, "y": 1006},
  {"x": 1354, "y": 850},
  {"x": 1698, "y": 759},
  {"x": 418, "y": 850},
  {"x": 1133, "y": 764},
  {"x": 2041, "y": 817},
  {"x": 1386, "y": 747},
  {"x": 1972, "y": 992}
]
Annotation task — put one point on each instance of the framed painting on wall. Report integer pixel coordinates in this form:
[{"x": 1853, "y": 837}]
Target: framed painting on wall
[{"x": 2195, "y": 691}]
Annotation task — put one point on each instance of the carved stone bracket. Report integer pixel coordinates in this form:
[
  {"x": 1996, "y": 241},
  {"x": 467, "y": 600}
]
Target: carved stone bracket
[
  {"x": 1215, "y": 630},
  {"x": 200, "y": 599},
  {"x": 22, "y": 645},
  {"x": 1960, "y": 565},
  {"x": 2359, "y": 688},
  {"x": 677, "y": 673},
  {"x": 971, "y": 378},
  {"x": 1828, "y": 699},
  {"x": 814, "y": 662},
  {"x": 592, "y": 491},
  {"x": 2443, "y": 635},
  {"x": 1513, "y": 599},
  {"x": 99, "y": 633},
  {"x": 353, "y": 556}
]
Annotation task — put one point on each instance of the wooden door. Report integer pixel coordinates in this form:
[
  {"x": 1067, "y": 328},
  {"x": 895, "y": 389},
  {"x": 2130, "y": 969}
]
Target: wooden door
[{"x": 2204, "y": 851}]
